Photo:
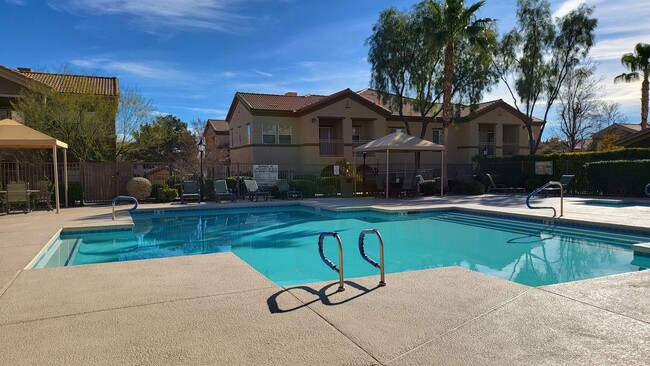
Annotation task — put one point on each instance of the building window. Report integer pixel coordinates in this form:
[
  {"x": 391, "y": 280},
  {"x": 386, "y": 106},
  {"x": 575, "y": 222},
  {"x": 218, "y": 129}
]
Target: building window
[
  {"x": 395, "y": 129},
  {"x": 356, "y": 134},
  {"x": 239, "y": 135},
  {"x": 268, "y": 134},
  {"x": 231, "y": 137},
  {"x": 284, "y": 134},
  {"x": 248, "y": 133},
  {"x": 437, "y": 136}
]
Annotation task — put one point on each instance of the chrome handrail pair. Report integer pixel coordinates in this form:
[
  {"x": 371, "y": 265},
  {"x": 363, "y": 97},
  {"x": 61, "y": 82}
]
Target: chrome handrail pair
[
  {"x": 540, "y": 189},
  {"x": 362, "y": 251},
  {"x": 124, "y": 198}
]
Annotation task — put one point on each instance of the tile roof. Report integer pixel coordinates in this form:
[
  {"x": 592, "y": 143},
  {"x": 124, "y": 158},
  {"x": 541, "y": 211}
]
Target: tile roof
[
  {"x": 219, "y": 125},
  {"x": 274, "y": 102},
  {"x": 68, "y": 83}
]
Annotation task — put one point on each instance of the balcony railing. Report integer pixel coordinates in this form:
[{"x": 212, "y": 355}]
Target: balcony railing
[{"x": 331, "y": 147}]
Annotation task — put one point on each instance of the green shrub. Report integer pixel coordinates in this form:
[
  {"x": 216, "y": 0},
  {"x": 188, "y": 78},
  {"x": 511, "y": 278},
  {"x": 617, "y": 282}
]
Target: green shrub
[
  {"x": 309, "y": 177},
  {"x": 166, "y": 194},
  {"x": 474, "y": 187},
  {"x": 307, "y": 187},
  {"x": 209, "y": 189},
  {"x": 139, "y": 187},
  {"x": 430, "y": 187},
  {"x": 533, "y": 183},
  {"x": 75, "y": 193},
  {"x": 231, "y": 182},
  {"x": 619, "y": 177}
]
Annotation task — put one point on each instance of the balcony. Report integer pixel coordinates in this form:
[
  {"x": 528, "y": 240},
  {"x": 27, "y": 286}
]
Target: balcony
[{"x": 331, "y": 147}]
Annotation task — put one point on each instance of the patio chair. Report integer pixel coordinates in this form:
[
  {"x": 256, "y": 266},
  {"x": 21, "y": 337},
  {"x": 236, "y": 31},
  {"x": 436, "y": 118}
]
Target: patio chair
[
  {"x": 44, "y": 195},
  {"x": 254, "y": 191},
  {"x": 285, "y": 191},
  {"x": 221, "y": 191},
  {"x": 491, "y": 187},
  {"x": 190, "y": 191},
  {"x": 17, "y": 195},
  {"x": 567, "y": 185}
]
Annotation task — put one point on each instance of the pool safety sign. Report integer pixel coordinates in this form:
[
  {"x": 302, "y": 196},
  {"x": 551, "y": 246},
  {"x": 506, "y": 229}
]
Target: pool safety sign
[
  {"x": 265, "y": 175},
  {"x": 543, "y": 168}
]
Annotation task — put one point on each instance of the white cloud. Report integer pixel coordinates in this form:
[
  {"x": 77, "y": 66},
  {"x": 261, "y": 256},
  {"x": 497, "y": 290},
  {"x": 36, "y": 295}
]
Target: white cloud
[
  {"x": 262, "y": 73},
  {"x": 150, "y": 70},
  {"x": 17, "y": 2},
  {"x": 208, "y": 111},
  {"x": 217, "y": 15},
  {"x": 570, "y": 5}
]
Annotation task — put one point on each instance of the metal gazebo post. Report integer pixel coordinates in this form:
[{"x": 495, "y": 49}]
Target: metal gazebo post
[{"x": 201, "y": 146}]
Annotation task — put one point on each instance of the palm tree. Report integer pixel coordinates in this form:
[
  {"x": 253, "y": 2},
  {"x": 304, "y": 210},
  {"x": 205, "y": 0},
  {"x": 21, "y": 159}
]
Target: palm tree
[
  {"x": 637, "y": 63},
  {"x": 455, "y": 23}
]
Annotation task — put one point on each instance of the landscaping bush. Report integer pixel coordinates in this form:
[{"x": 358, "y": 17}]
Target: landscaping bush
[
  {"x": 166, "y": 194},
  {"x": 430, "y": 187},
  {"x": 139, "y": 187},
  {"x": 209, "y": 189},
  {"x": 231, "y": 182},
  {"x": 533, "y": 183},
  {"x": 619, "y": 177},
  {"x": 75, "y": 193},
  {"x": 309, "y": 177},
  {"x": 307, "y": 187},
  {"x": 470, "y": 187},
  {"x": 327, "y": 186}
]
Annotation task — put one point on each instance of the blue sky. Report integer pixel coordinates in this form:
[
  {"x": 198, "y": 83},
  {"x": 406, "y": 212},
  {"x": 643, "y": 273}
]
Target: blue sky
[{"x": 190, "y": 56}]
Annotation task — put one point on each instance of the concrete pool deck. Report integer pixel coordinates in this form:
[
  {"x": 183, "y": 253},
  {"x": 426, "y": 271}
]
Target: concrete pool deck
[{"x": 215, "y": 309}]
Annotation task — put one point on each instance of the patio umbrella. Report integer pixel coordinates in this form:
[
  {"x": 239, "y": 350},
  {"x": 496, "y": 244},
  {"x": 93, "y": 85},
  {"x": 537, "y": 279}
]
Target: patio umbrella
[
  {"x": 15, "y": 135},
  {"x": 401, "y": 143}
]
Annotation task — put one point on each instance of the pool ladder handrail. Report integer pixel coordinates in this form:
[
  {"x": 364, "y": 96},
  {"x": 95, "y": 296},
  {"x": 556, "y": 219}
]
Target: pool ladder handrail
[
  {"x": 362, "y": 250},
  {"x": 647, "y": 190},
  {"x": 329, "y": 263},
  {"x": 125, "y": 198},
  {"x": 540, "y": 189}
]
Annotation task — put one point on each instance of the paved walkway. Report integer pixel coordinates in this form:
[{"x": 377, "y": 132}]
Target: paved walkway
[{"x": 215, "y": 309}]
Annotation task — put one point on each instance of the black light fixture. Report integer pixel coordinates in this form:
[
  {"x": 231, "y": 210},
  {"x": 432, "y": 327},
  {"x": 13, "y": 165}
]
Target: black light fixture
[
  {"x": 201, "y": 146},
  {"x": 485, "y": 152}
]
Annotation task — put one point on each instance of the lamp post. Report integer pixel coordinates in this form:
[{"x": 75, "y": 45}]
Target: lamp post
[
  {"x": 364, "y": 173},
  {"x": 201, "y": 146}
]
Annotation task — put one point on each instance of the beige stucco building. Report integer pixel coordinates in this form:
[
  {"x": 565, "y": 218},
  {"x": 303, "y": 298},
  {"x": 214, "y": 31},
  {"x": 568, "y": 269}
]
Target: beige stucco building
[{"x": 293, "y": 130}]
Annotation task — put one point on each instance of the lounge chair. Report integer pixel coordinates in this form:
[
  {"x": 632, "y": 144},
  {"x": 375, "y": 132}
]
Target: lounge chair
[
  {"x": 494, "y": 188},
  {"x": 285, "y": 191},
  {"x": 567, "y": 185},
  {"x": 190, "y": 191},
  {"x": 221, "y": 191},
  {"x": 17, "y": 195},
  {"x": 253, "y": 191},
  {"x": 44, "y": 195}
]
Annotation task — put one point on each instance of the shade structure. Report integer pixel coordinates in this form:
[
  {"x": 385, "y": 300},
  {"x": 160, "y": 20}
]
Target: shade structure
[
  {"x": 15, "y": 135},
  {"x": 401, "y": 142}
]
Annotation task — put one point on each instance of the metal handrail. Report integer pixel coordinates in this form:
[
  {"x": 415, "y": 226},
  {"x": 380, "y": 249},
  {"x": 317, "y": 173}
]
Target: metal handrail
[
  {"x": 124, "y": 198},
  {"x": 647, "y": 190},
  {"x": 538, "y": 190},
  {"x": 362, "y": 250},
  {"x": 329, "y": 263}
]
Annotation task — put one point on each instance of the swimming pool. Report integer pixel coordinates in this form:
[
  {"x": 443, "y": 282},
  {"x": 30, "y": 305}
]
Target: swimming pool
[{"x": 281, "y": 243}]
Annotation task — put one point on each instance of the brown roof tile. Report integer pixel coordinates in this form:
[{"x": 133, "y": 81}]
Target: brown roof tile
[
  {"x": 273, "y": 102},
  {"x": 219, "y": 125},
  {"x": 67, "y": 83}
]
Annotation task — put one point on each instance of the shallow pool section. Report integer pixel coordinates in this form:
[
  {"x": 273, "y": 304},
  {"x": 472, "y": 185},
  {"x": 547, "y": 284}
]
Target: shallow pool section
[{"x": 282, "y": 243}]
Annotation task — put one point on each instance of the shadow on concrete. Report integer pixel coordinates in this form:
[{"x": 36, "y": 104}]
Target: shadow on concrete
[{"x": 322, "y": 296}]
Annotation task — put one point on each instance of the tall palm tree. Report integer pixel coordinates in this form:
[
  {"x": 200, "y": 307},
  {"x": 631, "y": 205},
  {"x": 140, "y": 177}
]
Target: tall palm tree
[
  {"x": 454, "y": 23},
  {"x": 638, "y": 63}
]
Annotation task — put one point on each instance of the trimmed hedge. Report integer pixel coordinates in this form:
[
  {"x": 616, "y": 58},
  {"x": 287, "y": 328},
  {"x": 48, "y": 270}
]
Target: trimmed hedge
[
  {"x": 619, "y": 177},
  {"x": 307, "y": 187},
  {"x": 166, "y": 194},
  {"x": 514, "y": 171},
  {"x": 430, "y": 187}
]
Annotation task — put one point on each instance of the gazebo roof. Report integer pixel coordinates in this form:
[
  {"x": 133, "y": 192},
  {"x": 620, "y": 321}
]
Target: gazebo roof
[
  {"x": 398, "y": 141},
  {"x": 15, "y": 135}
]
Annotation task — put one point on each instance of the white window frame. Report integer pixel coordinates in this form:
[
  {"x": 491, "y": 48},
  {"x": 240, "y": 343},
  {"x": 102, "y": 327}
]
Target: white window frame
[
  {"x": 274, "y": 129},
  {"x": 437, "y": 131},
  {"x": 286, "y": 128}
]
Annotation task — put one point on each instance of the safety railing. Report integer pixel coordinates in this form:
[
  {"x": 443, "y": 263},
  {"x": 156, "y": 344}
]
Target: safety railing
[
  {"x": 362, "y": 250},
  {"x": 542, "y": 188},
  {"x": 328, "y": 262},
  {"x": 124, "y": 198}
]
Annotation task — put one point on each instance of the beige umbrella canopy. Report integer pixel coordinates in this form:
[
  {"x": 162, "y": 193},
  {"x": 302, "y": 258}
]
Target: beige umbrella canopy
[
  {"x": 15, "y": 135},
  {"x": 401, "y": 142}
]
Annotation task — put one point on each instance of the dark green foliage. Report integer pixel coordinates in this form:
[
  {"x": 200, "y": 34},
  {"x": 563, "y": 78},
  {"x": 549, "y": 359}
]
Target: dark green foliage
[
  {"x": 165, "y": 194},
  {"x": 231, "y": 182},
  {"x": 533, "y": 183},
  {"x": 514, "y": 171},
  {"x": 309, "y": 177},
  {"x": 209, "y": 189},
  {"x": 430, "y": 187},
  {"x": 619, "y": 177},
  {"x": 471, "y": 187},
  {"x": 75, "y": 193},
  {"x": 167, "y": 138},
  {"x": 307, "y": 187}
]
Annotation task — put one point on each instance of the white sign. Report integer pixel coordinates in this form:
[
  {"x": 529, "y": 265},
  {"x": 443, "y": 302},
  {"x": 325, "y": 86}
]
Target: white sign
[
  {"x": 543, "y": 168},
  {"x": 337, "y": 170},
  {"x": 265, "y": 175}
]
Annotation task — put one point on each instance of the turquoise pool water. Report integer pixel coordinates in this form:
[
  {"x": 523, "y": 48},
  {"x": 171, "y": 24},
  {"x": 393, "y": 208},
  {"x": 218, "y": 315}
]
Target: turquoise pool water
[{"x": 281, "y": 243}]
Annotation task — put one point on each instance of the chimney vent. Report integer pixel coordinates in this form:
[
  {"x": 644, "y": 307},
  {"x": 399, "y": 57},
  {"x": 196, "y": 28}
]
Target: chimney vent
[
  {"x": 25, "y": 69},
  {"x": 291, "y": 94}
]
